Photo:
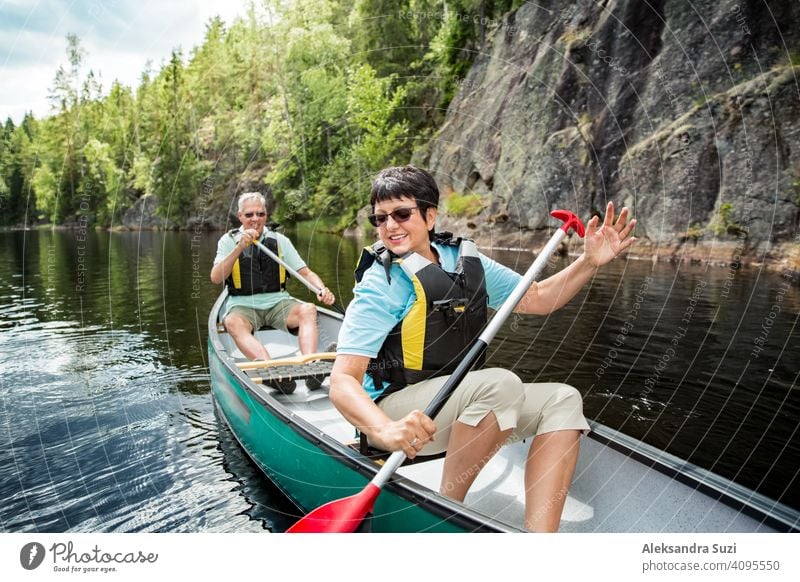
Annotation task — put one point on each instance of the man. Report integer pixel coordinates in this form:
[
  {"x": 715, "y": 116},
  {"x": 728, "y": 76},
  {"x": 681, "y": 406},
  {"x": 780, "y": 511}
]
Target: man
[
  {"x": 256, "y": 283},
  {"x": 420, "y": 302}
]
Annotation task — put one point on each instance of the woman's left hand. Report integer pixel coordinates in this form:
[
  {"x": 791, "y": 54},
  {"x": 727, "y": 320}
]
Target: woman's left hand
[{"x": 603, "y": 244}]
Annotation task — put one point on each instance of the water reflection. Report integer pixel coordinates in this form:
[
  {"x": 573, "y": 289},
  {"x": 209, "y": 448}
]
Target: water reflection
[
  {"x": 111, "y": 427},
  {"x": 105, "y": 391},
  {"x": 669, "y": 356}
]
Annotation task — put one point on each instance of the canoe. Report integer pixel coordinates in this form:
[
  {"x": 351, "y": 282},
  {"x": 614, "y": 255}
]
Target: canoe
[{"x": 303, "y": 445}]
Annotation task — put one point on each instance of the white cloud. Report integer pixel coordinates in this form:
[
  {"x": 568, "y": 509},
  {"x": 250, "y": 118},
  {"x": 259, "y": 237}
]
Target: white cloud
[{"x": 119, "y": 38}]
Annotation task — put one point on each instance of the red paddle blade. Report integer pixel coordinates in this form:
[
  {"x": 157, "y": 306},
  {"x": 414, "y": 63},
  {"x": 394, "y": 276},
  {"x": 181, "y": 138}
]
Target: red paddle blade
[{"x": 339, "y": 516}]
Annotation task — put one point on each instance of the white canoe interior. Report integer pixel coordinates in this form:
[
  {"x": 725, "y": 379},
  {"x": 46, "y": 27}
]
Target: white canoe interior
[{"x": 615, "y": 489}]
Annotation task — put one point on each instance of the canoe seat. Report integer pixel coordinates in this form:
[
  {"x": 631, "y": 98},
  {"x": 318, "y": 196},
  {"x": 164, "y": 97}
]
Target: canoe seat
[{"x": 378, "y": 456}]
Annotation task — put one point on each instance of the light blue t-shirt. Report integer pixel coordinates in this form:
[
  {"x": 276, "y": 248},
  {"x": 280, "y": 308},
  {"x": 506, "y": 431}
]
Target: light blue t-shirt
[
  {"x": 287, "y": 252},
  {"x": 378, "y": 306}
]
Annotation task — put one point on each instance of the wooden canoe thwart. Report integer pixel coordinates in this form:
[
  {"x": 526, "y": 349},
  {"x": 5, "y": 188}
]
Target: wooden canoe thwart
[{"x": 297, "y": 361}]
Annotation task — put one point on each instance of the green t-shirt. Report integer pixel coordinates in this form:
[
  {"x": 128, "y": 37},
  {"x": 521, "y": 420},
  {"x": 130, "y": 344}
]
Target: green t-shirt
[{"x": 288, "y": 253}]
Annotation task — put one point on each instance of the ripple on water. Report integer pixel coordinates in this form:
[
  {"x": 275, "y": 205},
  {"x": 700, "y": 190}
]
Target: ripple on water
[
  {"x": 97, "y": 427},
  {"x": 107, "y": 424}
]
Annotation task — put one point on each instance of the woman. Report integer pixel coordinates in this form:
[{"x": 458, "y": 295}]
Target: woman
[{"x": 420, "y": 302}]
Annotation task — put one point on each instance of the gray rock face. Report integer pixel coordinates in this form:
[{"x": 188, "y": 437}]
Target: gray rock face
[
  {"x": 143, "y": 215},
  {"x": 687, "y": 112},
  {"x": 214, "y": 205}
]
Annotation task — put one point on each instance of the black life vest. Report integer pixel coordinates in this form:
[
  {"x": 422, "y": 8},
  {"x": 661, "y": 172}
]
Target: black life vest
[
  {"x": 254, "y": 272},
  {"x": 449, "y": 312}
]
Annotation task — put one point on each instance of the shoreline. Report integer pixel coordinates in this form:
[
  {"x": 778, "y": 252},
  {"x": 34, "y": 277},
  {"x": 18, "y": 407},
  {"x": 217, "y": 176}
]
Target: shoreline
[{"x": 783, "y": 256}]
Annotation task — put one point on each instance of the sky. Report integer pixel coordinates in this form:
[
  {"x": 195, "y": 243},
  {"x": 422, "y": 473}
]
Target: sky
[{"x": 118, "y": 36}]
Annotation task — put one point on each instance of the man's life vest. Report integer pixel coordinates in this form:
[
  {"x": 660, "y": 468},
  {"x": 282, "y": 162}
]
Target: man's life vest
[
  {"x": 254, "y": 272},
  {"x": 449, "y": 312}
]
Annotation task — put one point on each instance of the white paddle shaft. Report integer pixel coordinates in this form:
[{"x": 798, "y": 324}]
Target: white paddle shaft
[{"x": 315, "y": 290}]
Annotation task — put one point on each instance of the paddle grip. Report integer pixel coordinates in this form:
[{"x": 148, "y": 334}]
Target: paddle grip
[{"x": 570, "y": 220}]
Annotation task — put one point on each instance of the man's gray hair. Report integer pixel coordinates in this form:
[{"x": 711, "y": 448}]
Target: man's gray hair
[{"x": 254, "y": 196}]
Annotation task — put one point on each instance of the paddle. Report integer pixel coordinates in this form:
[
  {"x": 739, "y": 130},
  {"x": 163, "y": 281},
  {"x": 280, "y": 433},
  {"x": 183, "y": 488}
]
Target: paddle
[
  {"x": 345, "y": 515},
  {"x": 315, "y": 290}
]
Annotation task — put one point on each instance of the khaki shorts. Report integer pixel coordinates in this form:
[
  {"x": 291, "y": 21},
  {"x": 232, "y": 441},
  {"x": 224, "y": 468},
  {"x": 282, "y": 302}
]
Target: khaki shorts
[
  {"x": 530, "y": 409},
  {"x": 274, "y": 317}
]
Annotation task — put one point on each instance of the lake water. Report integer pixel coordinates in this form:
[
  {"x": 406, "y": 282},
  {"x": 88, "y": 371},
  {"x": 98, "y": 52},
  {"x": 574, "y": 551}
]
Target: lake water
[{"x": 107, "y": 421}]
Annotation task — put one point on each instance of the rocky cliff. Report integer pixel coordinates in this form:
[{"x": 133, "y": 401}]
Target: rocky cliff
[{"x": 687, "y": 112}]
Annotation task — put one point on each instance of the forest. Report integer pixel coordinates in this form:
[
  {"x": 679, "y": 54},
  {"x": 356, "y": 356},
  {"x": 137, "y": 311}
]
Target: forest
[{"x": 305, "y": 99}]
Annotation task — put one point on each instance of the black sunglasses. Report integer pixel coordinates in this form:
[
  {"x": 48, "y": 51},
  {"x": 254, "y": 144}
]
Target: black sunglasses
[
  {"x": 259, "y": 214},
  {"x": 398, "y": 215}
]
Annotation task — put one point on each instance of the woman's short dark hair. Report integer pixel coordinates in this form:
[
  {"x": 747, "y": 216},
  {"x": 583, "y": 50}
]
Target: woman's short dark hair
[{"x": 410, "y": 181}]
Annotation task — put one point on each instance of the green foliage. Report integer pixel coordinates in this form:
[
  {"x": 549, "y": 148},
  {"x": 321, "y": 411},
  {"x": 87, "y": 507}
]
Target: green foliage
[
  {"x": 102, "y": 178},
  {"x": 47, "y": 187},
  {"x": 463, "y": 205},
  {"x": 694, "y": 232},
  {"x": 386, "y": 33},
  {"x": 16, "y": 163},
  {"x": 796, "y": 185},
  {"x": 344, "y": 185},
  {"x": 313, "y": 96},
  {"x": 723, "y": 223}
]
